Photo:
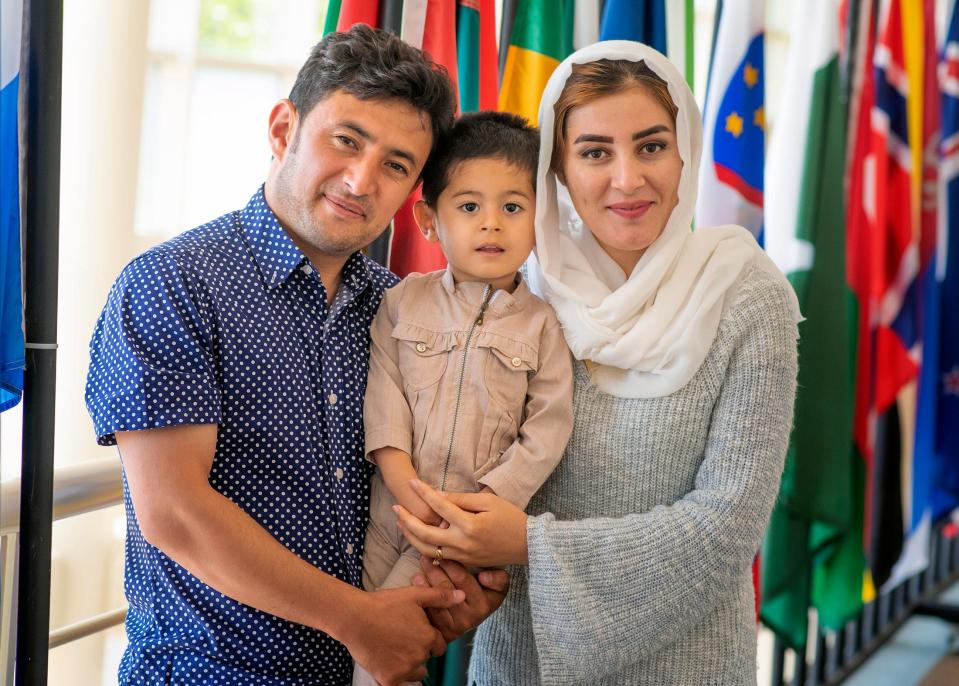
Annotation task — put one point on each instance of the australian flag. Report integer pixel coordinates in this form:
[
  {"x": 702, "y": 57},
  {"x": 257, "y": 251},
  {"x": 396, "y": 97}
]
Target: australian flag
[
  {"x": 731, "y": 172},
  {"x": 937, "y": 440}
]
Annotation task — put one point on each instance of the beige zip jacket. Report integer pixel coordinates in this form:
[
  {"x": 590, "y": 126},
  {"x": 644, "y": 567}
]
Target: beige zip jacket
[{"x": 475, "y": 386}]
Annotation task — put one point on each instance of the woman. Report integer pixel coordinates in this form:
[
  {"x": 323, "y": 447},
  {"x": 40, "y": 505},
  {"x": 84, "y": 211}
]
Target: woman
[{"x": 636, "y": 553}]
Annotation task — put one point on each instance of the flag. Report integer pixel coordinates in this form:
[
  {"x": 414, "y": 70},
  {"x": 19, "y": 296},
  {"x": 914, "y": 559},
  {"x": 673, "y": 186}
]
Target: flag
[
  {"x": 11, "y": 302},
  {"x": 342, "y": 14},
  {"x": 537, "y": 44},
  {"x": 638, "y": 20},
  {"x": 431, "y": 26},
  {"x": 731, "y": 173},
  {"x": 944, "y": 367},
  {"x": 813, "y": 554},
  {"x": 680, "y": 18},
  {"x": 584, "y": 22},
  {"x": 924, "y": 297},
  {"x": 476, "y": 55}
]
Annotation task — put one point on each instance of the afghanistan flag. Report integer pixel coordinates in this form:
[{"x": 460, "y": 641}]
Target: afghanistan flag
[
  {"x": 537, "y": 44},
  {"x": 813, "y": 550},
  {"x": 11, "y": 304}
]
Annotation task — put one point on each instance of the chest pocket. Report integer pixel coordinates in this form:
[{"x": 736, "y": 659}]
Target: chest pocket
[
  {"x": 423, "y": 355},
  {"x": 507, "y": 368},
  {"x": 508, "y": 365}
]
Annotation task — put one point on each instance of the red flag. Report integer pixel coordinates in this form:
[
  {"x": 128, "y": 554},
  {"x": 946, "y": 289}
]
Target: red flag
[
  {"x": 357, "y": 12},
  {"x": 431, "y": 26},
  {"x": 488, "y": 57}
]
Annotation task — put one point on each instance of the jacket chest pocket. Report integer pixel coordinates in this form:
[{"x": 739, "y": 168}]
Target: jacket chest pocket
[
  {"x": 423, "y": 357},
  {"x": 506, "y": 374}
]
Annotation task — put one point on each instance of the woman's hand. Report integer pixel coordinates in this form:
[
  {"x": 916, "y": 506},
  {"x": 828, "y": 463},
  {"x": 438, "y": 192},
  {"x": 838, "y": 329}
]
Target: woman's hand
[{"x": 484, "y": 530}]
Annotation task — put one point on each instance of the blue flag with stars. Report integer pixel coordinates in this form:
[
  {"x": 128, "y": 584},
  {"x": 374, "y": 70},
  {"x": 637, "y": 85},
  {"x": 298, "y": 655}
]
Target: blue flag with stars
[{"x": 731, "y": 172}]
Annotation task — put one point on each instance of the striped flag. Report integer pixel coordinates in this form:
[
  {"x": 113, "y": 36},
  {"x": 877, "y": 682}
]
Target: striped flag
[
  {"x": 731, "y": 173},
  {"x": 638, "y": 20},
  {"x": 813, "y": 550},
  {"x": 537, "y": 45},
  {"x": 585, "y": 22},
  {"x": 11, "y": 303},
  {"x": 476, "y": 61}
]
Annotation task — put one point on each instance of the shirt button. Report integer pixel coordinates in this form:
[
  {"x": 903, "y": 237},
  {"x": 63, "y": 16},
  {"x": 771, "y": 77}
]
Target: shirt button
[
  {"x": 306, "y": 269},
  {"x": 349, "y": 548},
  {"x": 332, "y": 398},
  {"x": 339, "y": 473},
  {"x": 421, "y": 347},
  {"x": 516, "y": 362}
]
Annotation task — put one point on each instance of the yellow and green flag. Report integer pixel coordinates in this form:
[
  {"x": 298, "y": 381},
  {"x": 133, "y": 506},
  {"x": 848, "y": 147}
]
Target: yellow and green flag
[{"x": 537, "y": 44}]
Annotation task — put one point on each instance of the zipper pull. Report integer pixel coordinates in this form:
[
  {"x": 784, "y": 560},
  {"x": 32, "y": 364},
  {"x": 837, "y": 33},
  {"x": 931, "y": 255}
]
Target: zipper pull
[{"x": 486, "y": 298}]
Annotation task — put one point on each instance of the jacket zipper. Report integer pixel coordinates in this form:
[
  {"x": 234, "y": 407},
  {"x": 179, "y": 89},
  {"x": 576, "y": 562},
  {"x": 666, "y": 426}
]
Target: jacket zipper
[{"x": 478, "y": 321}]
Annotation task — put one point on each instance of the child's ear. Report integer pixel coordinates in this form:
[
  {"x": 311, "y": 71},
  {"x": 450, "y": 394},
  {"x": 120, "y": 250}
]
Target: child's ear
[{"x": 425, "y": 217}]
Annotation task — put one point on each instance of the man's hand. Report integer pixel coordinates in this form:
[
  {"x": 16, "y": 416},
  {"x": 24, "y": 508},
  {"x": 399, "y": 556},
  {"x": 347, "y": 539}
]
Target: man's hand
[
  {"x": 391, "y": 636},
  {"x": 481, "y": 600}
]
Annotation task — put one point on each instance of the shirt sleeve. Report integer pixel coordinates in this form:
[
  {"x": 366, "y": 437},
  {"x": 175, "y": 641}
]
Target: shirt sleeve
[
  {"x": 387, "y": 417},
  {"x": 151, "y": 362},
  {"x": 543, "y": 435},
  {"x": 609, "y": 592}
]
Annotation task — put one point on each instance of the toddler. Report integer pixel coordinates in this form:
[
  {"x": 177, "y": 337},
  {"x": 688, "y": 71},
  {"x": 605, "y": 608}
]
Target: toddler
[{"x": 470, "y": 382}]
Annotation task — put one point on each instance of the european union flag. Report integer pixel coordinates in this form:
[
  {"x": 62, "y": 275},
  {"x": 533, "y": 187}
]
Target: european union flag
[{"x": 731, "y": 172}]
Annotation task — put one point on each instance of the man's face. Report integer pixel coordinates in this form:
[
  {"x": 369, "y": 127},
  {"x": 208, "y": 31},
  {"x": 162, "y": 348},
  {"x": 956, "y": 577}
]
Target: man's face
[{"x": 342, "y": 172}]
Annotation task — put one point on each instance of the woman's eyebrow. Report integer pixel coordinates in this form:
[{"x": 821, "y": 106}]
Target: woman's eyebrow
[
  {"x": 596, "y": 138},
  {"x": 659, "y": 128}
]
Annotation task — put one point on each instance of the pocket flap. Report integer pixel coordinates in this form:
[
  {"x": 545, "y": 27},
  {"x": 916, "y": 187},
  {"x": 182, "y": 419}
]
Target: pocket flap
[
  {"x": 513, "y": 354},
  {"x": 423, "y": 341}
]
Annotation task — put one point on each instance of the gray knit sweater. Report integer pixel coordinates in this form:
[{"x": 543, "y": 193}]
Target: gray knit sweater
[{"x": 641, "y": 548}]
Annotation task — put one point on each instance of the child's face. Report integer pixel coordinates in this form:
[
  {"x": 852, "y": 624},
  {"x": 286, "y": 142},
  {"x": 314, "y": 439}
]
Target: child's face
[{"x": 483, "y": 220}]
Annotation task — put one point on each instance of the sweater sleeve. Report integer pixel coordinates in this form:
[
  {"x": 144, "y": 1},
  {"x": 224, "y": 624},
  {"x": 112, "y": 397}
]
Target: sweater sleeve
[{"x": 608, "y": 592}]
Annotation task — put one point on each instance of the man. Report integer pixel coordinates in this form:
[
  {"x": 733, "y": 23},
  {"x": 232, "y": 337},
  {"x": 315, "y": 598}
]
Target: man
[{"x": 229, "y": 366}]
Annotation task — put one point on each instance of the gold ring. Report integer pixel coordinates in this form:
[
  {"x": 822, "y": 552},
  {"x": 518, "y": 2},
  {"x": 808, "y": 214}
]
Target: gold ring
[{"x": 438, "y": 556}]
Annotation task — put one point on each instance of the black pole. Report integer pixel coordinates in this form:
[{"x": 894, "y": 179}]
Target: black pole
[{"x": 41, "y": 248}]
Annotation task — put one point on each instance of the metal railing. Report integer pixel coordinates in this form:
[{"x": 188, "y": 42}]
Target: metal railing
[
  {"x": 77, "y": 489},
  {"x": 832, "y": 656}
]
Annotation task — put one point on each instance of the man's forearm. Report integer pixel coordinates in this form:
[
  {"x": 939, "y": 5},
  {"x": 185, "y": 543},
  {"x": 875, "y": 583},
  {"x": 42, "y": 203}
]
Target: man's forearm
[{"x": 224, "y": 547}]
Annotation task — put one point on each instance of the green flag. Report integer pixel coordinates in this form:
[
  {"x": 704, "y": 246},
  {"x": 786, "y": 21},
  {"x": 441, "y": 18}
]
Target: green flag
[{"x": 813, "y": 553}]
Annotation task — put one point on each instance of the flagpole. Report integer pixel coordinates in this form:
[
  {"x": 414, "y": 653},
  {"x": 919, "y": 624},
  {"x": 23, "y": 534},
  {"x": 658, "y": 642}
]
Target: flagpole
[{"x": 44, "y": 78}]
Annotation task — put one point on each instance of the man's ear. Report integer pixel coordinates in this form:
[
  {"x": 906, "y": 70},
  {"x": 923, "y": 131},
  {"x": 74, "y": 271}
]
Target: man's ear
[
  {"x": 425, "y": 217},
  {"x": 282, "y": 128}
]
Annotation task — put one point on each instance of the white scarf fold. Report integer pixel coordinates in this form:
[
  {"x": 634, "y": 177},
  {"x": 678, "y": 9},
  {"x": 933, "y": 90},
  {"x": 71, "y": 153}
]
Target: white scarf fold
[{"x": 650, "y": 332}]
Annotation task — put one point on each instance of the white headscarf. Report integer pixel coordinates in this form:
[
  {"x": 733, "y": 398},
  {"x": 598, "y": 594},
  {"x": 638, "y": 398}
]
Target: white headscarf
[{"x": 649, "y": 332}]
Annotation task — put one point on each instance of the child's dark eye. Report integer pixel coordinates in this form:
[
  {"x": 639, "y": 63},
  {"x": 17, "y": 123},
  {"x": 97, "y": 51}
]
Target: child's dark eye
[
  {"x": 469, "y": 207},
  {"x": 512, "y": 208}
]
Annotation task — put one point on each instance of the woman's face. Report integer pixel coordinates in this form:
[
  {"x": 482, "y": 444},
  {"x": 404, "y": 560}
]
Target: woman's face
[{"x": 622, "y": 168}]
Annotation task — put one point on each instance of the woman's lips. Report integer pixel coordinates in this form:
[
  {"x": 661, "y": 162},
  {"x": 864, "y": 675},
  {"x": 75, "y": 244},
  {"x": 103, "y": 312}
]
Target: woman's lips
[{"x": 630, "y": 210}]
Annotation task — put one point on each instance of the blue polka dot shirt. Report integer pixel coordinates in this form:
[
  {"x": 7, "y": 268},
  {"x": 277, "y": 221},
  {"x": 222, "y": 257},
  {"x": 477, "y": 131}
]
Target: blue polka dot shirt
[{"x": 228, "y": 324}]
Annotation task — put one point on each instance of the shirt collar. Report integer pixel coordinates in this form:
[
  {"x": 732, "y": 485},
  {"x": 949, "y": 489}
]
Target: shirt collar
[
  {"x": 273, "y": 250},
  {"x": 472, "y": 292},
  {"x": 276, "y": 254}
]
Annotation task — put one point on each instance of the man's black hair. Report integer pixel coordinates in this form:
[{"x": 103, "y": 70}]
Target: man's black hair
[
  {"x": 482, "y": 135},
  {"x": 372, "y": 64}
]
